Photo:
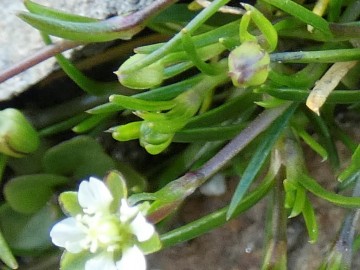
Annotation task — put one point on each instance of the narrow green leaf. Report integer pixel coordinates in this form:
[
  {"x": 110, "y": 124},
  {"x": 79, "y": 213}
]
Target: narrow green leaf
[
  {"x": 190, "y": 49},
  {"x": 91, "y": 122},
  {"x": 298, "y": 94},
  {"x": 259, "y": 158},
  {"x": 312, "y": 186},
  {"x": 353, "y": 168},
  {"x": 133, "y": 103},
  {"x": 98, "y": 31},
  {"x": 54, "y": 13},
  {"x": 162, "y": 93},
  {"x": 265, "y": 27},
  {"x": 310, "y": 221},
  {"x": 302, "y": 14},
  {"x": 215, "y": 219},
  {"x": 299, "y": 202},
  {"x": 310, "y": 141},
  {"x": 87, "y": 84}
]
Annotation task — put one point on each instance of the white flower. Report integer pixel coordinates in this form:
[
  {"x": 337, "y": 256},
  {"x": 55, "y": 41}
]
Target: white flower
[
  {"x": 94, "y": 196},
  {"x": 103, "y": 233}
]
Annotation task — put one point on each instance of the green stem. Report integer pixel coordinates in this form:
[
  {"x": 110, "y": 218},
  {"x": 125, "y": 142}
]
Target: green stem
[
  {"x": 276, "y": 250},
  {"x": 260, "y": 123},
  {"x": 215, "y": 219},
  {"x": 300, "y": 95},
  {"x": 324, "y": 56}
]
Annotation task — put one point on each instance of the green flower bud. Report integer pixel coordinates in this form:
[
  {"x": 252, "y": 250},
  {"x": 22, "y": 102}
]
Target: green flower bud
[
  {"x": 248, "y": 65},
  {"x": 147, "y": 77},
  {"x": 126, "y": 132},
  {"x": 151, "y": 136},
  {"x": 17, "y": 136}
]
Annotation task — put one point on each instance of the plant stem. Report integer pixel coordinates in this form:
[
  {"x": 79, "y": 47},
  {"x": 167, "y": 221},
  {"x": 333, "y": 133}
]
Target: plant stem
[
  {"x": 259, "y": 124},
  {"x": 275, "y": 257},
  {"x": 36, "y": 58}
]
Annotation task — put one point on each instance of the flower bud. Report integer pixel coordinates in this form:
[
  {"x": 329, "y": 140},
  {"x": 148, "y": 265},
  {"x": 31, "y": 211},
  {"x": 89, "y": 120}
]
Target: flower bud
[
  {"x": 147, "y": 77},
  {"x": 248, "y": 65},
  {"x": 17, "y": 136},
  {"x": 126, "y": 132}
]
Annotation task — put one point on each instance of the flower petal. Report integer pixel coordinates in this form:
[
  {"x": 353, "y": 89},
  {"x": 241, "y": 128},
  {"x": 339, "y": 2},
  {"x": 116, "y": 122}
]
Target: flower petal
[
  {"x": 94, "y": 196},
  {"x": 68, "y": 234},
  {"x": 141, "y": 228},
  {"x": 103, "y": 261},
  {"x": 132, "y": 259},
  {"x": 127, "y": 212}
]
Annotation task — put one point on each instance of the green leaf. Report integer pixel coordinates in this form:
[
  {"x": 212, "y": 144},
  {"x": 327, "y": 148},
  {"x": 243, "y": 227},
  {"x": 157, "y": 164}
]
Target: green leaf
[
  {"x": 29, "y": 193},
  {"x": 70, "y": 261},
  {"x": 259, "y": 158},
  {"x": 98, "y": 31},
  {"x": 150, "y": 246},
  {"x": 299, "y": 202},
  {"x": 310, "y": 141},
  {"x": 116, "y": 183},
  {"x": 303, "y": 14},
  {"x": 5, "y": 254},
  {"x": 353, "y": 168},
  {"x": 311, "y": 185},
  {"x": 310, "y": 221},
  {"x": 87, "y": 84},
  {"x": 217, "y": 218},
  {"x": 69, "y": 203},
  {"x": 54, "y": 13},
  {"x": 27, "y": 234},
  {"x": 79, "y": 158},
  {"x": 132, "y": 103}
]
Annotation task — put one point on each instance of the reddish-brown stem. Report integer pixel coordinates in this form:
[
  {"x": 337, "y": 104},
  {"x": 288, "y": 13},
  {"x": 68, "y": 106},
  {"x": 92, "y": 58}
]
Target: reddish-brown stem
[{"x": 41, "y": 55}]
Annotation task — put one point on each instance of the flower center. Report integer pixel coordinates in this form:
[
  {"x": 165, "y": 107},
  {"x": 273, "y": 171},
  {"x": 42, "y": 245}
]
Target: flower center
[{"x": 106, "y": 232}]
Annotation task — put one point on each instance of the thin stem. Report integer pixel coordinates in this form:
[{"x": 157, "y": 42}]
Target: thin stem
[
  {"x": 260, "y": 123},
  {"x": 324, "y": 56},
  {"x": 215, "y": 219},
  {"x": 275, "y": 257},
  {"x": 37, "y": 58}
]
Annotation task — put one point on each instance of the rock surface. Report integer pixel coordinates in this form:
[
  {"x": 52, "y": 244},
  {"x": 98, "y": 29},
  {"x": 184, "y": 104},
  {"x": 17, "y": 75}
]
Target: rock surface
[{"x": 19, "y": 40}]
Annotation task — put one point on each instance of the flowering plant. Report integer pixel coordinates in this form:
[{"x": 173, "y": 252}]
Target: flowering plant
[{"x": 102, "y": 229}]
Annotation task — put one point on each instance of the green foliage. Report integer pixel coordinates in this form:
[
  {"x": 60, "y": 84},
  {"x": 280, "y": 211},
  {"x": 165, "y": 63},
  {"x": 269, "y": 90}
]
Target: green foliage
[
  {"x": 205, "y": 86},
  {"x": 27, "y": 234},
  {"x": 29, "y": 193},
  {"x": 90, "y": 159}
]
